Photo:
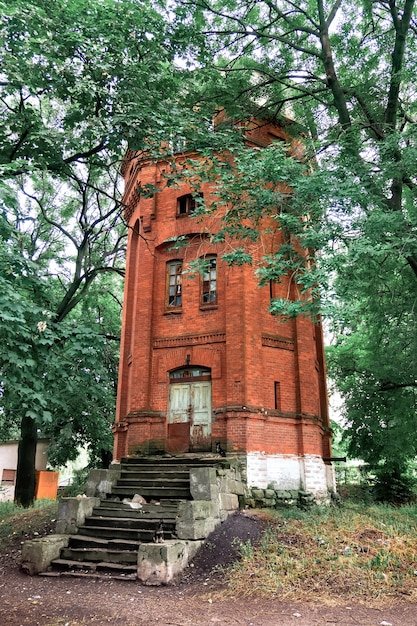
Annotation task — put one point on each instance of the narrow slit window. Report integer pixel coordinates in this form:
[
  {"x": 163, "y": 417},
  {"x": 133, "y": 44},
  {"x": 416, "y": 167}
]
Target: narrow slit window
[
  {"x": 174, "y": 284},
  {"x": 209, "y": 281},
  {"x": 277, "y": 393}
]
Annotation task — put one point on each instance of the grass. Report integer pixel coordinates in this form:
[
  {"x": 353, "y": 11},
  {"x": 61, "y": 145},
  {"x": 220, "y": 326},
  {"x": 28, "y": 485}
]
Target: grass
[
  {"x": 362, "y": 553},
  {"x": 354, "y": 552},
  {"x": 17, "y": 522}
]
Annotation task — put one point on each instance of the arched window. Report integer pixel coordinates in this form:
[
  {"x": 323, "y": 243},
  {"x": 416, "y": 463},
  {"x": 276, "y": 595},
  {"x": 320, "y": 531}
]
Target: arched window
[
  {"x": 187, "y": 204},
  {"x": 193, "y": 373}
]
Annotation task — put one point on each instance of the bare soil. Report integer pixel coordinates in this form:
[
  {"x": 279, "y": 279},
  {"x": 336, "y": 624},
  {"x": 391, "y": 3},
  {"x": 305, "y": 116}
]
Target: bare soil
[{"x": 197, "y": 598}]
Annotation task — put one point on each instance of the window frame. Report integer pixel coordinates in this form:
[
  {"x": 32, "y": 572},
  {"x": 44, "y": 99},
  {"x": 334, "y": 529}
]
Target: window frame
[
  {"x": 8, "y": 478},
  {"x": 277, "y": 396},
  {"x": 177, "y": 274},
  {"x": 210, "y": 303},
  {"x": 187, "y": 204}
]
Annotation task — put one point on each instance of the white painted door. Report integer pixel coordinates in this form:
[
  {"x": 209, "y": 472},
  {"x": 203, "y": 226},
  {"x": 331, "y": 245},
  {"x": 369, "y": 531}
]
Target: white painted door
[
  {"x": 191, "y": 402},
  {"x": 179, "y": 403}
]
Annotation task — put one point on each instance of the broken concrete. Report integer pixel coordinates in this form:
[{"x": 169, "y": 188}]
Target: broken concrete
[
  {"x": 215, "y": 491},
  {"x": 72, "y": 513},
  {"x": 38, "y": 554},
  {"x": 101, "y": 481},
  {"x": 159, "y": 563}
]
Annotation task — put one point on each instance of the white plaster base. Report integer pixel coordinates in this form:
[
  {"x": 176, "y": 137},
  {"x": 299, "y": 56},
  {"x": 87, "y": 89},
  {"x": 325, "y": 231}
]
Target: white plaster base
[{"x": 289, "y": 472}]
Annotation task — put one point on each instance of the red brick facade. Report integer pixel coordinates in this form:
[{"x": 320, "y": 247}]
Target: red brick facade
[{"x": 266, "y": 377}]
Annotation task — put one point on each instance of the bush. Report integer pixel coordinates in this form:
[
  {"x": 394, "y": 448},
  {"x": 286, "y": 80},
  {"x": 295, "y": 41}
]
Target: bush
[
  {"x": 78, "y": 485},
  {"x": 394, "y": 485}
]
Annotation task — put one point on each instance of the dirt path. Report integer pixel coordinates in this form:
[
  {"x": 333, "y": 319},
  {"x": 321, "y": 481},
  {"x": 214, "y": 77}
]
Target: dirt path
[
  {"x": 195, "y": 599},
  {"x": 74, "y": 602}
]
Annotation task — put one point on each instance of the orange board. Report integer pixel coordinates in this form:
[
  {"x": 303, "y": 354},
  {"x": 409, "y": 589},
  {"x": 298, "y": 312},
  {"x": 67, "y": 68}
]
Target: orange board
[{"x": 46, "y": 485}]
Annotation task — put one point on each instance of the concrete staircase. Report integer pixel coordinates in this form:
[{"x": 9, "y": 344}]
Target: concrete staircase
[{"x": 108, "y": 540}]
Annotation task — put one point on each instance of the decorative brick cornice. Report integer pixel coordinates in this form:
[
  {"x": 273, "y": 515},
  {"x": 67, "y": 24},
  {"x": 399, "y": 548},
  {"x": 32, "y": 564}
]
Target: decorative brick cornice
[
  {"x": 239, "y": 411},
  {"x": 120, "y": 427},
  {"x": 145, "y": 416},
  {"x": 189, "y": 340},
  {"x": 276, "y": 341}
]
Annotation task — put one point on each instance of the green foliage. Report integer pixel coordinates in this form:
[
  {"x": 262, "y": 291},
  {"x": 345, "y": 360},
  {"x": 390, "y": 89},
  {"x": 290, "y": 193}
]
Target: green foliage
[
  {"x": 345, "y": 73},
  {"x": 339, "y": 445},
  {"x": 80, "y": 90},
  {"x": 394, "y": 485},
  {"x": 81, "y": 82},
  {"x": 78, "y": 484}
]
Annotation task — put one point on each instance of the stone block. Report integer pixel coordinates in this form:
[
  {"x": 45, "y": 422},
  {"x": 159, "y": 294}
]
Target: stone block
[
  {"x": 229, "y": 502},
  {"x": 72, "y": 513},
  {"x": 239, "y": 488},
  {"x": 229, "y": 484},
  {"x": 281, "y": 494},
  {"x": 38, "y": 554},
  {"x": 269, "y": 493},
  {"x": 158, "y": 563},
  {"x": 197, "y": 529},
  {"x": 203, "y": 483},
  {"x": 100, "y": 481},
  {"x": 258, "y": 494},
  {"x": 194, "y": 510}
]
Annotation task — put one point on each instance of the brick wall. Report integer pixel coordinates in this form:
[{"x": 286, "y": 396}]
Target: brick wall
[{"x": 247, "y": 349}]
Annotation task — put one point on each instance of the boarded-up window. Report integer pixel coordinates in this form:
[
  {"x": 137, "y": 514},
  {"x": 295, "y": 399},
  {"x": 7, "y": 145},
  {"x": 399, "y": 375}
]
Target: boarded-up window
[{"x": 8, "y": 477}]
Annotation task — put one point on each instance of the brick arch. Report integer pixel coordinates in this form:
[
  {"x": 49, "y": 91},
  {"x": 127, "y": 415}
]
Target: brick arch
[
  {"x": 199, "y": 355},
  {"x": 167, "y": 241}
]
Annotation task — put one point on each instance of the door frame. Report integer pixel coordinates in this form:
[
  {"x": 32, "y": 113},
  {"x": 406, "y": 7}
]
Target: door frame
[{"x": 180, "y": 433}]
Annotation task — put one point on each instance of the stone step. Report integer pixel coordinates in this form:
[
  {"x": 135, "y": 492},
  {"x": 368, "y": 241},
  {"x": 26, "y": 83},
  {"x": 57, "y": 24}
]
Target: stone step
[
  {"x": 56, "y": 573},
  {"x": 99, "y": 554},
  {"x": 152, "y": 492},
  {"x": 136, "y": 523},
  {"x": 126, "y": 512},
  {"x": 156, "y": 481},
  {"x": 166, "y": 462},
  {"x": 110, "y": 542},
  {"x": 87, "y": 542},
  {"x": 114, "y": 501},
  {"x": 110, "y": 532},
  {"x": 166, "y": 471},
  {"x": 95, "y": 566},
  {"x": 152, "y": 507},
  {"x": 148, "y": 476}
]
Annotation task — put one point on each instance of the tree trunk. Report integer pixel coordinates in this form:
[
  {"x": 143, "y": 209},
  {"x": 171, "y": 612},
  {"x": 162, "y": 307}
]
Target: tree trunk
[{"x": 25, "y": 475}]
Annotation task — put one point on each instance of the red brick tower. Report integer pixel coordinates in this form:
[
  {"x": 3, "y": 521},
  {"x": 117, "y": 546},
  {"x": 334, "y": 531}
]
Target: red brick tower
[{"x": 202, "y": 360}]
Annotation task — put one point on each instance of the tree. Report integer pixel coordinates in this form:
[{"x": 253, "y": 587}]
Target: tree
[
  {"x": 345, "y": 72},
  {"x": 72, "y": 99},
  {"x": 58, "y": 374},
  {"x": 374, "y": 359},
  {"x": 69, "y": 94}
]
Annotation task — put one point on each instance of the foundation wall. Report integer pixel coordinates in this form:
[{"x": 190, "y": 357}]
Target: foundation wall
[{"x": 289, "y": 472}]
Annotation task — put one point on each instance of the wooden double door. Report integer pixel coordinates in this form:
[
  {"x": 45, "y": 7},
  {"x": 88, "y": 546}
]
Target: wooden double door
[{"x": 189, "y": 416}]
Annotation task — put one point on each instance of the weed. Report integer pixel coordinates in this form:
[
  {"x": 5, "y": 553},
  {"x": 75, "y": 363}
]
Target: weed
[
  {"x": 16, "y": 521},
  {"x": 360, "y": 552},
  {"x": 245, "y": 548}
]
